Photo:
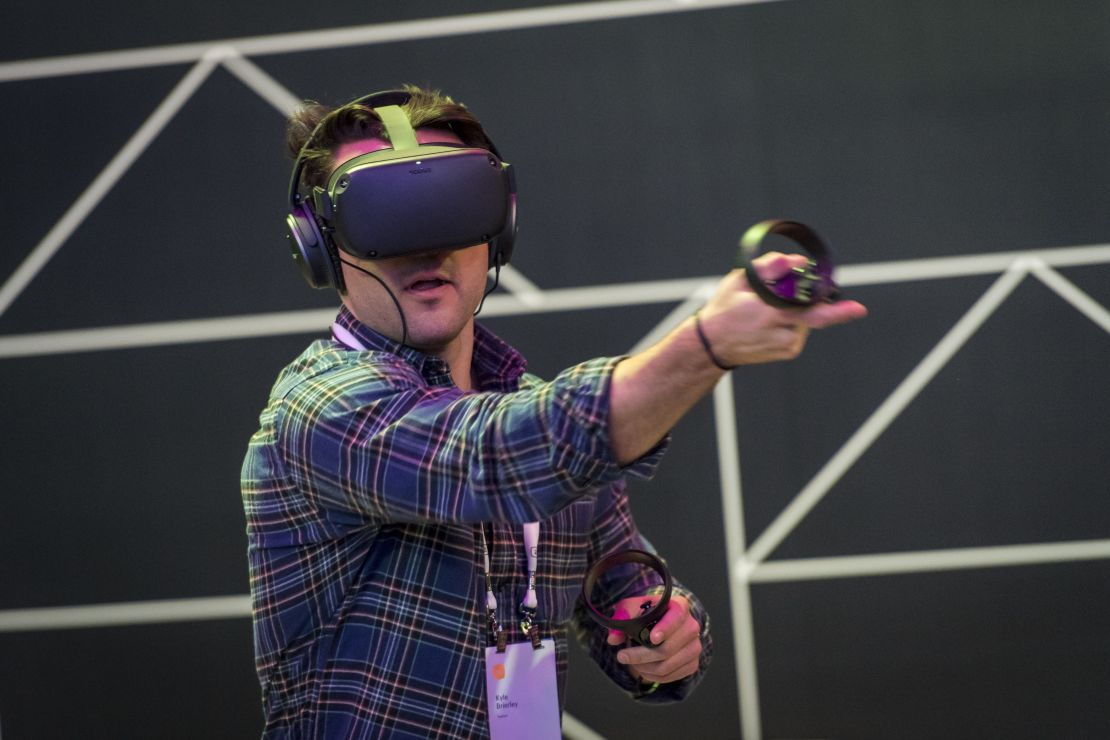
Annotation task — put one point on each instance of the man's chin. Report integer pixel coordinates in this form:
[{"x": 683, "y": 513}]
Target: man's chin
[{"x": 434, "y": 339}]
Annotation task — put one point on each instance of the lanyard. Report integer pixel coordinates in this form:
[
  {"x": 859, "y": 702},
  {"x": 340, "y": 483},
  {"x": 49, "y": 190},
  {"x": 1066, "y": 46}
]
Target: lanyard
[
  {"x": 346, "y": 338},
  {"x": 529, "y": 604}
]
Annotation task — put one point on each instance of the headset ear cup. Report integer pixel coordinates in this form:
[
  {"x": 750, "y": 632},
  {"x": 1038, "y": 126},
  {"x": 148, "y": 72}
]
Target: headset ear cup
[
  {"x": 309, "y": 251},
  {"x": 501, "y": 249}
]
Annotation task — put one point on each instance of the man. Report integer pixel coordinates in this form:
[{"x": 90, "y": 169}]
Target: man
[{"x": 391, "y": 489}]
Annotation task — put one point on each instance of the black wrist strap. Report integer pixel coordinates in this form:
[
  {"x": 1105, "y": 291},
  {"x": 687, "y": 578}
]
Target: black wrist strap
[{"x": 705, "y": 343}]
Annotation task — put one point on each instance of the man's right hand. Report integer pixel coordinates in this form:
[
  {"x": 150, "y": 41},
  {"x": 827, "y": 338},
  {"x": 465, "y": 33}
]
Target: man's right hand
[
  {"x": 743, "y": 330},
  {"x": 652, "y": 390}
]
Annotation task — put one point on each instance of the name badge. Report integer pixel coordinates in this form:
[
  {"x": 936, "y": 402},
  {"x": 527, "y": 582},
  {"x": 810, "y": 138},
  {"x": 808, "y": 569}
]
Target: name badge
[{"x": 522, "y": 692}]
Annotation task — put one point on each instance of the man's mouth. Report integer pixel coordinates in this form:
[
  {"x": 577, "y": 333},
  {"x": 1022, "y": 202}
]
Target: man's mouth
[{"x": 426, "y": 284}]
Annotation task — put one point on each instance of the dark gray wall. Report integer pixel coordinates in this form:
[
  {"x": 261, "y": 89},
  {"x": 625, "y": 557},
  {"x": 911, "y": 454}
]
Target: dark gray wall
[{"x": 901, "y": 130}]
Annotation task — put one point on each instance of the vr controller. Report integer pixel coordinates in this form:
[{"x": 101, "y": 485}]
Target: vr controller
[
  {"x": 803, "y": 286},
  {"x": 638, "y": 628}
]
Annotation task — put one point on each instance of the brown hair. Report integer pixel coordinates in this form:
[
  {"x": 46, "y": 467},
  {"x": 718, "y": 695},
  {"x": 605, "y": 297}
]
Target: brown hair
[{"x": 334, "y": 126}]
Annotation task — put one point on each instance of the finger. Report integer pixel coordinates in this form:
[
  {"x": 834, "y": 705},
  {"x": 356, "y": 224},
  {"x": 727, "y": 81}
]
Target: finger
[
  {"x": 678, "y": 611},
  {"x": 681, "y": 654},
  {"x": 687, "y": 669},
  {"x": 831, "y": 314},
  {"x": 685, "y": 637},
  {"x": 774, "y": 265},
  {"x": 674, "y": 668}
]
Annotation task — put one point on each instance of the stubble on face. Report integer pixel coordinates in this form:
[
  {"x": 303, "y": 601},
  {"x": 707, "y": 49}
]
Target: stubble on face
[{"x": 438, "y": 292}]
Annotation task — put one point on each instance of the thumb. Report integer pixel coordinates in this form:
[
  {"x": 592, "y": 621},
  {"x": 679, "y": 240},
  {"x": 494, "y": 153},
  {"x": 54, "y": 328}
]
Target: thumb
[{"x": 829, "y": 314}]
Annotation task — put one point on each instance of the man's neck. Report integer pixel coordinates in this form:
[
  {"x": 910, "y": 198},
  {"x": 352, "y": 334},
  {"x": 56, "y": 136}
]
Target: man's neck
[
  {"x": 459, "y": 356},
  {"x": 458, "y": 353}
]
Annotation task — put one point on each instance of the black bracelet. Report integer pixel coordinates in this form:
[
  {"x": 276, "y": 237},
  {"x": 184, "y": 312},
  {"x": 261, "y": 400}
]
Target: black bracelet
[{"x": 705, "y": 343}]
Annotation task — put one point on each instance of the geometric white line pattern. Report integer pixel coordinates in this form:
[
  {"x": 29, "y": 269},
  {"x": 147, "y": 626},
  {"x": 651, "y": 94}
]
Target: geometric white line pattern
[
  {"x": 747, "y": 564},
  {"x": 103, "y": 183},
  {"x": 929, "y": 561},
  {"x": 573, "y": 729},
  {"x": 887, "y": 412},
  {"x": 1073, "y": 295},
  {"x": 752, "y": 566},
  {"x": 377, "y": 33},
  {"x": 126, "y": 613},
  {"x": 918, "y": 378},
  {"x": 740, "y": 597},
  {"x": 688, "y": 293}
]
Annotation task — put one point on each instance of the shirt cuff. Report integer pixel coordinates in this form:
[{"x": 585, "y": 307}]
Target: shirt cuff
[{"x": 580, "y": 421}]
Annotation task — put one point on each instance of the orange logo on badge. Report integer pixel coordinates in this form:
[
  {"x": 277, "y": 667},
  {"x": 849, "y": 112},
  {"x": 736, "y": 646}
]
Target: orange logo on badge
[{"x": 499, "y": 671}]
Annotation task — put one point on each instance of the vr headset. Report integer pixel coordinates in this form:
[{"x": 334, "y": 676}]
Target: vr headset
[{"x": 406, "y": 199}]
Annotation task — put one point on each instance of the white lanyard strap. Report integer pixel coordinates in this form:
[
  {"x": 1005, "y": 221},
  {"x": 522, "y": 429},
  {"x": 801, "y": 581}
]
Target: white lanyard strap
[
  {"x": 346, "y": 338},
  {"x": 495, "y": 630},
  {"x": 530, "y": 603}
]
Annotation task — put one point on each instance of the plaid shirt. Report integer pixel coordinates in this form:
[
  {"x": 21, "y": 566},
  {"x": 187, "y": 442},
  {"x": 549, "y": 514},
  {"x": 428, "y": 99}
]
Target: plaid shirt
[{"x": 366, "y": 492}]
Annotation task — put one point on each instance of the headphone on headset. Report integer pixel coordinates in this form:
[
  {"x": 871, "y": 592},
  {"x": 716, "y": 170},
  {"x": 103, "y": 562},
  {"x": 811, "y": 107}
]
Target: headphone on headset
[{"x": 404, "y": 199}]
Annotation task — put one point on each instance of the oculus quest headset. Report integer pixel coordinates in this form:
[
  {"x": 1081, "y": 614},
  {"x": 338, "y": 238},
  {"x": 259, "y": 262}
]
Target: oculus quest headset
[{"x": 406, "y": 199}]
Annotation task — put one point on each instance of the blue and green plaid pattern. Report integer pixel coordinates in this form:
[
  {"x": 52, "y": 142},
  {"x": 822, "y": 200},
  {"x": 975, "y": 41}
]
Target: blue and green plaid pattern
[{"x": 366, "y": 489}]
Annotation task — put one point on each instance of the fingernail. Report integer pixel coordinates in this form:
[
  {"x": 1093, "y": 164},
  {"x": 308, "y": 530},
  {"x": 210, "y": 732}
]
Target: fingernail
[{"x": 622, "y": 657}]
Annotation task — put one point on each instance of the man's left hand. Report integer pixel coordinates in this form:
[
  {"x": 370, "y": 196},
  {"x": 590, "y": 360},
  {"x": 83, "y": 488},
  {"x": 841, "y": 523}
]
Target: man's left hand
[{"x": 676, "y": 638}]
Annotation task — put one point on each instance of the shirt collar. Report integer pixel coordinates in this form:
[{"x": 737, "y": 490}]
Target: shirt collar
[{"x": 497, "y": 365}]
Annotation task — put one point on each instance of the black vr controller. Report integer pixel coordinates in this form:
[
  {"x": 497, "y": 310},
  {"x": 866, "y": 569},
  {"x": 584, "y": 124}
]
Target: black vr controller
[
  {"x": 637, "y": 629},
  {"x": 803, "y": 286}
]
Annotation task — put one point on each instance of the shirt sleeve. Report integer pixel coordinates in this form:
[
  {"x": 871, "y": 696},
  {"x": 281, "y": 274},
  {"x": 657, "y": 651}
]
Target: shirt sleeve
[
  {"x": 374, "y": 439},
  {"x": 615, "y": 531}
]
